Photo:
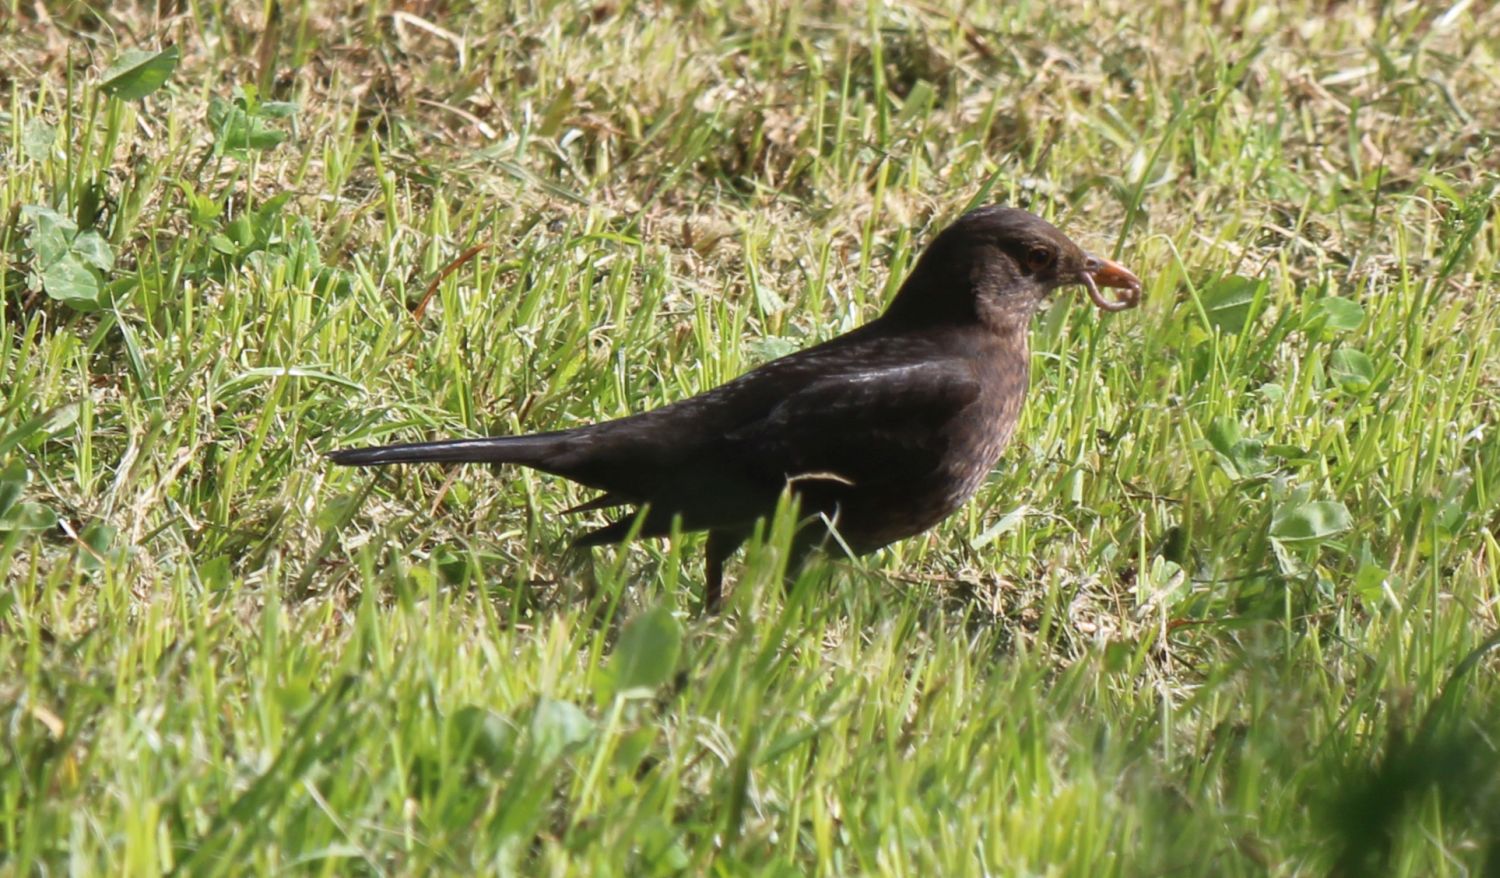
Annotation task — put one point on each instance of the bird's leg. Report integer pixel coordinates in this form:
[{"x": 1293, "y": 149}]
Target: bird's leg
[
  {"x": 817, "y": 534},
  {"x": 713, "y": 578},
  {"x": 721, "y": 544}
]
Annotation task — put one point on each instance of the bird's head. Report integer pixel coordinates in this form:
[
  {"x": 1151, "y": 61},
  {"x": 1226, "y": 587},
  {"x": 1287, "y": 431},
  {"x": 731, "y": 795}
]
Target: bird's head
[{"x": 997, "y": 265}]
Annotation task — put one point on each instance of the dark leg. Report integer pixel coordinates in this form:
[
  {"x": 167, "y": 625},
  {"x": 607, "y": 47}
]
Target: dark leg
[
  {"x": 812, "y": 537},
  {"x": 721, "y": 544},
  {"x": 817, "y": 534}
]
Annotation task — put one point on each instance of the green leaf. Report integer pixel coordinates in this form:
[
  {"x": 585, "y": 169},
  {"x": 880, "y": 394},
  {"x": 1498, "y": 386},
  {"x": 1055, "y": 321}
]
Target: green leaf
[
  {"x": 12, "y": 481},
  {"x": 271, "y": 373},
  {"x": 37, "y": 139},
  {"x": 1289, "y": 562},
  {"x": 216, "y": 573},
  {"x": 1292, "y": 455},
  {"x": 1310, "y": 522},
  {"x": 277, "y": 109},
  {"x": 202, "y": 210},
  {"x": 100, "y": 539},
  {"x": 52, "y": 233},
  {"x": 918, "y": 103},
  {"x": 237, "y": 130},
  {"x": 646, "y": 655},
  {"x": 138, "y": 73},
  {"x": 1239, "y": 458},
  {"x": 69, "y": 280},
  {"x": 556, "y": 728},
  {"x": 1339, "y": 314},
  {"x": 1222, "y": 434},
  {"x": 1352, "y": 369},
  {"x": 767, "y": 299},
  {"x": 94, "y": 250},
  {"x": 1371, "y": 579},
  {"x": 265, "y": 221},
  {"x": 50, "y": 422},
  {"x": 241, "y": 230},
  {"x": 1228, "y": 301},
  {"x": 91, "y": 202},
  {"x": 59, "y": 418},
  {"x": 486, "y": 736},
  {"x": 28, "y": 517},
  {"x": 771, "y": 347},
  {"x": 222, "y": 245}
]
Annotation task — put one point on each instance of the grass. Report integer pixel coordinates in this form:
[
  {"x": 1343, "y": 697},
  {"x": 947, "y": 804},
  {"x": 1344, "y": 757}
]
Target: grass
[{"x": 1224, "y": 608}]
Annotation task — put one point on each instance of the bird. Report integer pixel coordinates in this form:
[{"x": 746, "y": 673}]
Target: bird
[{"x": 881, "y": 432}]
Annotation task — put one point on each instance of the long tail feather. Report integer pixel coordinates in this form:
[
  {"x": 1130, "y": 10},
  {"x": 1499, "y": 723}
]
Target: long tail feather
[
  {"x": 604, "y": 501},
  {"x": 526, "y": 450}
]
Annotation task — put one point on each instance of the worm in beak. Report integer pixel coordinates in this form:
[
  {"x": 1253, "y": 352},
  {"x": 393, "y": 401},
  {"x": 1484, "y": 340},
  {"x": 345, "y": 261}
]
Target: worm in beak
[{"x": 1100, "y": 272}]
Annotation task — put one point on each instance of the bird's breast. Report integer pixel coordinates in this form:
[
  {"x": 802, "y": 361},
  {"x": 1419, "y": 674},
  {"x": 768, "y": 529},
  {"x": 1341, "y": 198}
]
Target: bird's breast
[{"x": 973, "y": 443}]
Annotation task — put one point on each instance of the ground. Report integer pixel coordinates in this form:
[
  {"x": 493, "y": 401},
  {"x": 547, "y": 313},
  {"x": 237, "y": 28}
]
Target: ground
[{"x": 1223, "y": 608}]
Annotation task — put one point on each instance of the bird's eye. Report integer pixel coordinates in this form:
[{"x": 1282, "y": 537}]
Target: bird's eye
[{"x": 1038, "y": 258}]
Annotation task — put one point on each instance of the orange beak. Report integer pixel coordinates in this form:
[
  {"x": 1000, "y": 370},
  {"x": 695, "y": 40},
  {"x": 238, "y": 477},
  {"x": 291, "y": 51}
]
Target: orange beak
[{"x": 1100, "y": 272}]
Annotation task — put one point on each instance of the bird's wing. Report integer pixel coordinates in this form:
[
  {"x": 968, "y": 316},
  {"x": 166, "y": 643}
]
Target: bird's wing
[
  {"x": 869, "y": 429},
  {"x": 862, "y": 410},
  {"x": 862, "y": 426}
]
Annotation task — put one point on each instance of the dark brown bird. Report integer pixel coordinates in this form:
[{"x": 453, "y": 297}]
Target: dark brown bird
[{"x": 883, "y": 431}]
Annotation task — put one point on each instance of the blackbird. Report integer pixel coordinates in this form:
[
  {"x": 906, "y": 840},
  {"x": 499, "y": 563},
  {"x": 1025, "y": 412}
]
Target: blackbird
[{"x": 881, "y": 432}]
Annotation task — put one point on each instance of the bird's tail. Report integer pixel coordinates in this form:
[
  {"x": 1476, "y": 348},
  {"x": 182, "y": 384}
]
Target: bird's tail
[{"x": 533, "y": 450}]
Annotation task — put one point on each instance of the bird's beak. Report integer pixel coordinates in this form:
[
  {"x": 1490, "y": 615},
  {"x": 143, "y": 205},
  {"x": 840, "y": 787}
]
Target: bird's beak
[{"x": 1100, "y": 272}]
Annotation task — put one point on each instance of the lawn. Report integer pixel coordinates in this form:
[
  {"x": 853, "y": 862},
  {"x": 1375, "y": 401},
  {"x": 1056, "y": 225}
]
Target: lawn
[{"x": 1224, "y": 608}]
